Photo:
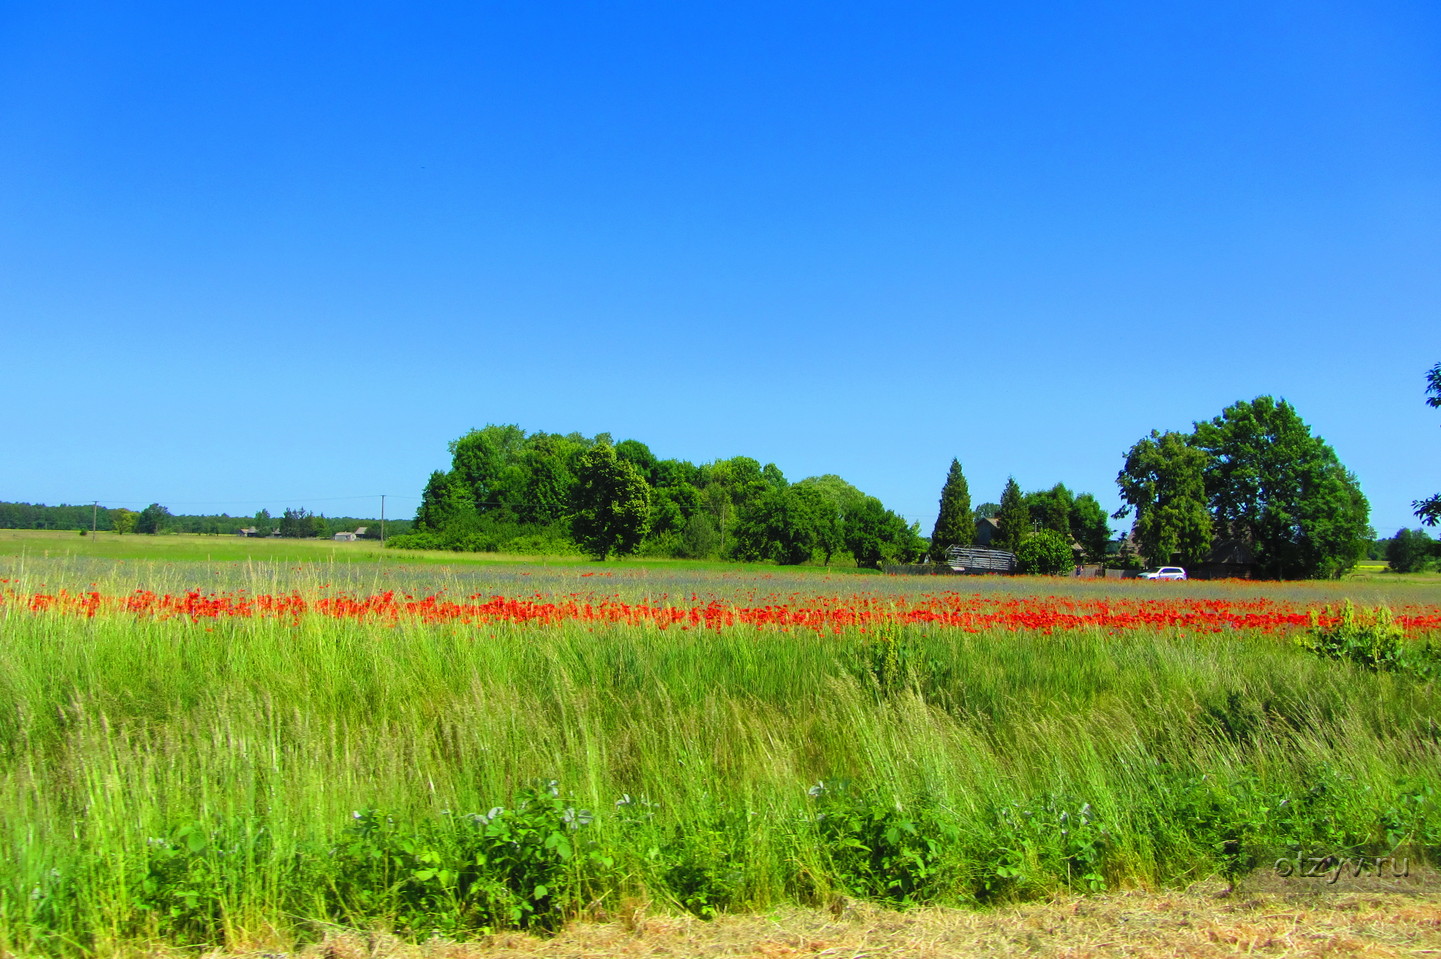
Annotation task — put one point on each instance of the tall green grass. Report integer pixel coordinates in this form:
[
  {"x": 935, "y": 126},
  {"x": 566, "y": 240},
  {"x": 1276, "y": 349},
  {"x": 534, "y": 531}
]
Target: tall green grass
[{"x": 250, "y": 782}]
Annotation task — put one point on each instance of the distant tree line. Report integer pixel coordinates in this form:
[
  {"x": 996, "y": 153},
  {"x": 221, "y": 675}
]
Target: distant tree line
[
  {"x": 1049, "y": 530},
  {"x": 295, "y": 523},
  {"x": 511, "y": 491}
]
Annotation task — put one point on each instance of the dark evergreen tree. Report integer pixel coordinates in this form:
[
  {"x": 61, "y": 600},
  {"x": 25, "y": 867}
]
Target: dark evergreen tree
[
  {"x": 1014, "y": 518},
  {"x": 152, "y": 519},
  {"x": 955, "y": 526}
]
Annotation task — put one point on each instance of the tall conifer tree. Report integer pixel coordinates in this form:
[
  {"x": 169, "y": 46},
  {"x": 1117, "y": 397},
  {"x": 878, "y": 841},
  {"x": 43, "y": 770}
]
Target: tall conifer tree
[
  {"x": 1014, "y": 518},
  {"x": 955, "y": 526}
]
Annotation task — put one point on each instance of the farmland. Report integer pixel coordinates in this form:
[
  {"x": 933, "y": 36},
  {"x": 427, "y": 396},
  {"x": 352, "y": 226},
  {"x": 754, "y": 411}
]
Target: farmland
[{"x": 257, "y": 750}]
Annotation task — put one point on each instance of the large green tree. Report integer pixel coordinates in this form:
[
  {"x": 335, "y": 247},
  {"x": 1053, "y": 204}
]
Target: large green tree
[
  {"x": 123, "y": 520},
  {"x": 837, "y": 499},
  {"x": 1409, "y": 551},
  {"x": 152, "y": 519},
  {"x": 445, "y": 503},
  {"x": 781, "y": 525},
  {"x": 1273, "y": 484},
  {"x": 486, "y": 461},
  {"x": 955, "y": 526},
  {"x": 1429, "y": 510},
  {"x": 1090, "y": 527},
  {"x": 547, "y": 477},
  {"x": 612, "y": 504},
  {"x": 1014, "y": 518},
  {"x": 1164, "y": 482},
  {"x": 1051, "y": 509},
  {"x": 875, "y": 535},
  {"x": 300, "y": 523}
]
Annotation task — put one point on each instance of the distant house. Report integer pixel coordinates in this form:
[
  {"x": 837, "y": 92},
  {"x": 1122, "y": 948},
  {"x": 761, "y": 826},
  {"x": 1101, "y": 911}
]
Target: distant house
[
  {"x": 987, "y": 529},
  {"x": 247, "y": 531},
  {"x": 1228, "y": 559},
  {"x": 351, "y": 535}
]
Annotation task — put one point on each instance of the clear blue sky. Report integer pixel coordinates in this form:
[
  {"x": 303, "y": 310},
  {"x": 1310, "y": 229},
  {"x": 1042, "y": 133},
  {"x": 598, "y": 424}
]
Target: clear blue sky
[{"x": 268, "y": 255}]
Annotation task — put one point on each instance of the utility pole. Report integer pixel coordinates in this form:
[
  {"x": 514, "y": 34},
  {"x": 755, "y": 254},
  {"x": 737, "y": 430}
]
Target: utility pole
[
  {"x": 94, "y": 511},
  {"x": 382, "y": 519}
]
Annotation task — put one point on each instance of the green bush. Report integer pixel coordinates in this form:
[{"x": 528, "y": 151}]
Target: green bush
[
  {"x": 1045, "y": 552},
  {"x": 1371, "y": 640}
]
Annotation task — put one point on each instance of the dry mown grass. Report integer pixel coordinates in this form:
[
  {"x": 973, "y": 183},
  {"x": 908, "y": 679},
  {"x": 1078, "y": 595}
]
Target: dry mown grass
[{"x": 1263, "y": 916}]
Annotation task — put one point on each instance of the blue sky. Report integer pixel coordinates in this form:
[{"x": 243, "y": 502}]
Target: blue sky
[{"x": 270, "y": 255}]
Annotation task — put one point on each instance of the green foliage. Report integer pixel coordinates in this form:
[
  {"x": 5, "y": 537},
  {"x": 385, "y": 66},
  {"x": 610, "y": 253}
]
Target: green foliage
[
  {"x": 152, "y": 519},
  {"x": 123, "y": 520},
  {"x": 1089, "y": 527},
  {"x": 639, "y": 455},
  {"x": 1164, "y": 482},
  {"x": 301, "y": 524},
  {"x": 882, "y": 849},
  {"x": 875, "y": 535},
  {"x": 508, "y": 491},
  {"x": 1014, "y": 518},
  {"x": 445, "y": 503},
  {"x": 955, "y": 526},
  {"x": 1371, "y": 640},
  {"x": 1429, "y": 510},
  {"x": 1051, "y": 509},
  {"x": 612, "y": 504},
  {"x": 1266, "y": 481},
  {"x": 837, "y": 498},
  {"x": 782, "y": 525},
  {"x": 1410, "y": 551},
  {"x": 1275, "y": 486},
  {"x": 1046, "y": 552},
  {"x": 522, "y": 866},
  {"x": 547, "y": 467},
  {"x": 485, "y": 463}
]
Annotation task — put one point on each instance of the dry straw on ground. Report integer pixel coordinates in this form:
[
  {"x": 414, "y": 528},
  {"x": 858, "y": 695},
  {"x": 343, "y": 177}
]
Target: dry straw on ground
[{"x": 1260, "y": 918}]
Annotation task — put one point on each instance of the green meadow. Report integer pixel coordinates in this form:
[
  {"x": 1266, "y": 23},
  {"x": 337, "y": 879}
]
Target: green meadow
[{"x": 259, "y": 783}]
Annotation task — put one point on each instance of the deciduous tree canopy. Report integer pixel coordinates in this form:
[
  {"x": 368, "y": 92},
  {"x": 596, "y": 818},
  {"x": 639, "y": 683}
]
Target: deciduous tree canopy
[
  {"x": 1164, "y": 482},
  {"x": 544, "y": 492},
  {"x": 612, "y": 504},
  {"x": 1266, "y": 481}
]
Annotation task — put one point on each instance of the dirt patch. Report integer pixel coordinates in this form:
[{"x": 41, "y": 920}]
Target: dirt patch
[{"x": 1266, "y": 916}]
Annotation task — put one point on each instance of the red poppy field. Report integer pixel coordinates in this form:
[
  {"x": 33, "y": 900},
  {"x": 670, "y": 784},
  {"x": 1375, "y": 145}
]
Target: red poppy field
[{"x": 969, "y": 611}]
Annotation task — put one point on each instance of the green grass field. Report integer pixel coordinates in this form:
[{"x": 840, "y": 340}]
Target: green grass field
[
  {"x": 246, "y": 782},
  {"x": 192, "y": 547}
]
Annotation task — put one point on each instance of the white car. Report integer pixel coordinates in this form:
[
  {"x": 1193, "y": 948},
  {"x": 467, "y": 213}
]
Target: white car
[{"x": 1164, "y": 572}]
